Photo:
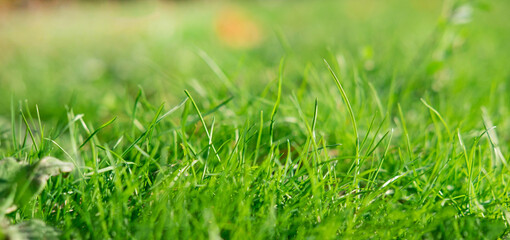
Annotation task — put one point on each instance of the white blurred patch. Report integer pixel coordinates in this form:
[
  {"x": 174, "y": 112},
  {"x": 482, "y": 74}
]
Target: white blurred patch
[{"x": 462, "y": 14}]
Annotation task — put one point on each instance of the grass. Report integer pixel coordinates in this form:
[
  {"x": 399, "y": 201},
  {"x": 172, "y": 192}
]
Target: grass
[{"x": 350, "y": 120}]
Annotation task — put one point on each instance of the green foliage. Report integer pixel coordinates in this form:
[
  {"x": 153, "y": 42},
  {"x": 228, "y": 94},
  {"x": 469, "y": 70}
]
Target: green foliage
[
  {"x": 19, "y": 183},
  {"x": 403, "y": 133}
]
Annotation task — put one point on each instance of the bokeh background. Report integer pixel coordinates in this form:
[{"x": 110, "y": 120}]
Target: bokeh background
[
  {"x": 427, "y": 80},
  {"x": 94, "y": 56}
]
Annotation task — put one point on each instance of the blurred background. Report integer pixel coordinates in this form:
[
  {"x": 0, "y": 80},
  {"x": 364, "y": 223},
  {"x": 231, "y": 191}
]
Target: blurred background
[
  {"x": 83, "y": 63},
  {"x": 95, "y": 56}
]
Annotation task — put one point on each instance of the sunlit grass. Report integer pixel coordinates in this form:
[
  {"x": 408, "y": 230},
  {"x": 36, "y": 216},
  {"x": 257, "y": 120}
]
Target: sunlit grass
[{"x": 340, "y": 120}]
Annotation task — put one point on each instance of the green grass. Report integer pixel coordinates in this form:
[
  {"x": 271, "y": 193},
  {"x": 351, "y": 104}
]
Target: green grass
[{"x": 348, "y": 120}]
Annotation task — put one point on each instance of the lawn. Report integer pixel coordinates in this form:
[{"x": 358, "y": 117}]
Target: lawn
[{"x": 256, "y": 120}]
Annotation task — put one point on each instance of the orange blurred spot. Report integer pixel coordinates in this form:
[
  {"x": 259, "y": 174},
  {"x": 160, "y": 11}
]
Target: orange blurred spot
[{"x": 236, "y": 29}]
